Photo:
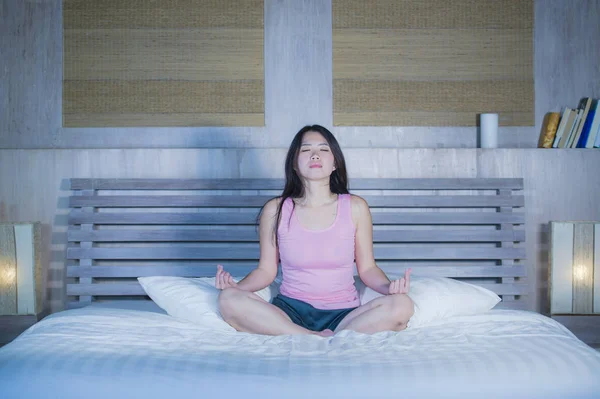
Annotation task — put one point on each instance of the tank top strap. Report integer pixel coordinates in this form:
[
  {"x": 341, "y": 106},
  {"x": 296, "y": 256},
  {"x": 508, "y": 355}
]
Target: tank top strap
[
  {"x": 346, "y": 210},
  {"x": 286, "y": 215}
]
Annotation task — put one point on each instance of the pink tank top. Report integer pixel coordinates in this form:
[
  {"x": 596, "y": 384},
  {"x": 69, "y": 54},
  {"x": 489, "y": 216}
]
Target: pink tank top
[{"x": 318, "y": 265}]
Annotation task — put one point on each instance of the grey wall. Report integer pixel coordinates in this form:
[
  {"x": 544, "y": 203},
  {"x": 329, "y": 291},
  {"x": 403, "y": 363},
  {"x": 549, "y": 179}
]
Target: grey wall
[{"x": 37, "y": 155}]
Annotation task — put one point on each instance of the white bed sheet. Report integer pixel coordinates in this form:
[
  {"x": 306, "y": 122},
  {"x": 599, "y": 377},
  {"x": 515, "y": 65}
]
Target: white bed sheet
[{"x": 110, "y": 351}]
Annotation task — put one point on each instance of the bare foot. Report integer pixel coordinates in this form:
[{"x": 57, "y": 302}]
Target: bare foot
[{"x": 325, "y": 333}]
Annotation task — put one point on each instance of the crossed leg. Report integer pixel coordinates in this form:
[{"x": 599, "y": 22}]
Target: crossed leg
[
  {"x": 246, "y": 311},
  {"x": 386, "y": 313}
]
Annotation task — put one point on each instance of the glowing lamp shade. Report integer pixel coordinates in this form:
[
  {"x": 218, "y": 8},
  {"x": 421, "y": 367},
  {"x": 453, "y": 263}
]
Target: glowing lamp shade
[
  {"x": 574, "y": 267},
  {"x": 20, "y": 269}
]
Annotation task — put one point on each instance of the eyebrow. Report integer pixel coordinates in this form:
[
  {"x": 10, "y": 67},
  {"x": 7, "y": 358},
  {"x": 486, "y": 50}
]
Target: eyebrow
[{"x": 303, "y": 144}]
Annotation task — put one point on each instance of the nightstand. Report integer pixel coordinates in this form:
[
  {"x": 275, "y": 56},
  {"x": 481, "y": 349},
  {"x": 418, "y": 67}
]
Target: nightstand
[
  {"x": 12, "y": 326},
  {"x": 575, "y": 278},
  {"x": 585, "y": 327}
]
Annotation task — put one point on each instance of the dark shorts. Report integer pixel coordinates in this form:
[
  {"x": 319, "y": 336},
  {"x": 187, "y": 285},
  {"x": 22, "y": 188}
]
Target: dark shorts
[{"x": 309, "y": 317}]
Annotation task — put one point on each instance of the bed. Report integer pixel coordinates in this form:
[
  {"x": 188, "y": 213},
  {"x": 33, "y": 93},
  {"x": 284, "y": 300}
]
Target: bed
[{"x": 114, "y": 342}]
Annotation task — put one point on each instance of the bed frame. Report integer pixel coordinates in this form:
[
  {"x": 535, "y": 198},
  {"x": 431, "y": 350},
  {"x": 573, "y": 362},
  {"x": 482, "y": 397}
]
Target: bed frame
[{"x": 120, "y": 229}]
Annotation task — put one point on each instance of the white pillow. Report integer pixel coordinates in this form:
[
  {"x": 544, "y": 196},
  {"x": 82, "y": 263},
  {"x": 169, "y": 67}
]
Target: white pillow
[
  {"x": 191, "y": 299},
  {"x": 440, "y": 297}
]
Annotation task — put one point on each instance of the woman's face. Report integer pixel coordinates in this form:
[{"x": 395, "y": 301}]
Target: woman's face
[{"x": 315, "y": 160}]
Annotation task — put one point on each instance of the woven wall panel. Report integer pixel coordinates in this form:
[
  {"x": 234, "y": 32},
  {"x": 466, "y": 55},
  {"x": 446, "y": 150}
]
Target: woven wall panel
[
  {"x": 181, "y": 54},
  {"x": 163, "y": 63},
  {"x": 177, "y": 14},
  {"x": 432, "y": 63},
  {"x": 429, "y": 103}
]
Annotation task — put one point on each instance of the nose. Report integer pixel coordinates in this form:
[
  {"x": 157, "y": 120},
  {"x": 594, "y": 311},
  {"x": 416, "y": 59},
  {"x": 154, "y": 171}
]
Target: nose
[{"x": 315, "y": 155}]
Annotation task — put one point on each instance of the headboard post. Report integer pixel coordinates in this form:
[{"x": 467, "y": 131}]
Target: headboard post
[
  {"x": 506, "y": 244},
  {"x": 86, "y": 262}
]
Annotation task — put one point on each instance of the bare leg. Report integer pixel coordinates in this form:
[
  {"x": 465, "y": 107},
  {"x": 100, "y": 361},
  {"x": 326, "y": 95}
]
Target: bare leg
[
  {"x": 246, "y": 311},
  {"x": 387, "y": 313}
]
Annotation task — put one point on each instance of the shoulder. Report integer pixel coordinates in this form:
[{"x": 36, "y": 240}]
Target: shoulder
[
  {"x": 268, "y": 214},
  {"x": 270, "y": 208},
  {"x": 358, "y": 202},
  {"x": 360, "y": 209}
]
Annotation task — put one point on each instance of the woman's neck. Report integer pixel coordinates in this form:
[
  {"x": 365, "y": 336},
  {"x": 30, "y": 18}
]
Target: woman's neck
[{"x": 316, "y": 194}]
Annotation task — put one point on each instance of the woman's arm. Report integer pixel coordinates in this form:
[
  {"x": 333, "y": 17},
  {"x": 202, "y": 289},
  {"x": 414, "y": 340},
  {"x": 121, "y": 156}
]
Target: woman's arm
[
  {"x": 368, "y": 271},
  {"x": 265, "y": 272}
]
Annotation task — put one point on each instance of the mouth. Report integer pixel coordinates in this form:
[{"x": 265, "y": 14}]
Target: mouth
[{"x": 315, "y": 165}]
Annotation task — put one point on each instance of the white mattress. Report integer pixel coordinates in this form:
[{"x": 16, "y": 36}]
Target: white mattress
[{"x": 120, "y": 351}]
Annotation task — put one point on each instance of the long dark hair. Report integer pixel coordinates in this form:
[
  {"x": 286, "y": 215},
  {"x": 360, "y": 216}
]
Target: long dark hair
[{"x": 294, "y": 188}]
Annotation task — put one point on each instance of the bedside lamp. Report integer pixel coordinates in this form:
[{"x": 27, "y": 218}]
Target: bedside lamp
[
  {"x": 575, "y": 268},
  {"x": 20, "y": 269}
]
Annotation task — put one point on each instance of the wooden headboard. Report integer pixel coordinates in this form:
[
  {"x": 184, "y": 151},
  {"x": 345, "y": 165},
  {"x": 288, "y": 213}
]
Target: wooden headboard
[{"x": 470, "y": 229}]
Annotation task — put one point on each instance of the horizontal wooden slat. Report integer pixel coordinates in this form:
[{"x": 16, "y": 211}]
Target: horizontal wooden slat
[
  {"x": 277, "y": 184},
  {"x": 505, "y": 289},
  {"x": 172, "y": 201},
  {"x": 237, "y": 269},
  {"x": 448, "y": 235},
  {"x": 421, "y": 252},
  {"x": 249, "y": 251},
  {"x": 471, "y": 271},
  {"x": 116, "y": 301},
  {"x": 391, "y": 265},
  {"x": 233, "y": 234},
  {"x": 177, "y": 184},
  {"x": 244, "y": 201},
  {"x": 514, "y": 305},
  {"x": 162, "y": 235},
  {"x": 243, "y": 268},
  {"x": 114, "y": 288},
  {"x": 249, "y": 218},
  {"x": 134, "y": 288},
  {"x": 437, "y": 184},
  {"x": 206, "y": 218},
  {"x": 154, "y": 253}
]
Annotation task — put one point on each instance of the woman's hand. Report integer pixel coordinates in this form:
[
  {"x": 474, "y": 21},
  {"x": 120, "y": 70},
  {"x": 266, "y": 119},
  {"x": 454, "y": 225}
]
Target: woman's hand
[
  {"x": 402, "y": 285},
  {"x": 223, "y": 279}
]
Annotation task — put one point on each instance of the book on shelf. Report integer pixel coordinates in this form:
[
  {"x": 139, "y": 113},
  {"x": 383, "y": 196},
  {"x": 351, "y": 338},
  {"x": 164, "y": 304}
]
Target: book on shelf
[
  {"x": 584, "y": 107},
  {"x": 549, "y": 129},
  {"x": 569, "y": 124},
  {"x": 587, "y": 124},
  {"x": 594, "y": 125},
  {"x": 575, "y": 127},
  {"x": 561, "y": 127}
]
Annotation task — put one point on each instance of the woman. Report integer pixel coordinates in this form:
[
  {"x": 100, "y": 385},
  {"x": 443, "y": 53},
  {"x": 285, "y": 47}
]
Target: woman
[{"x": 318, "y": 230}]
